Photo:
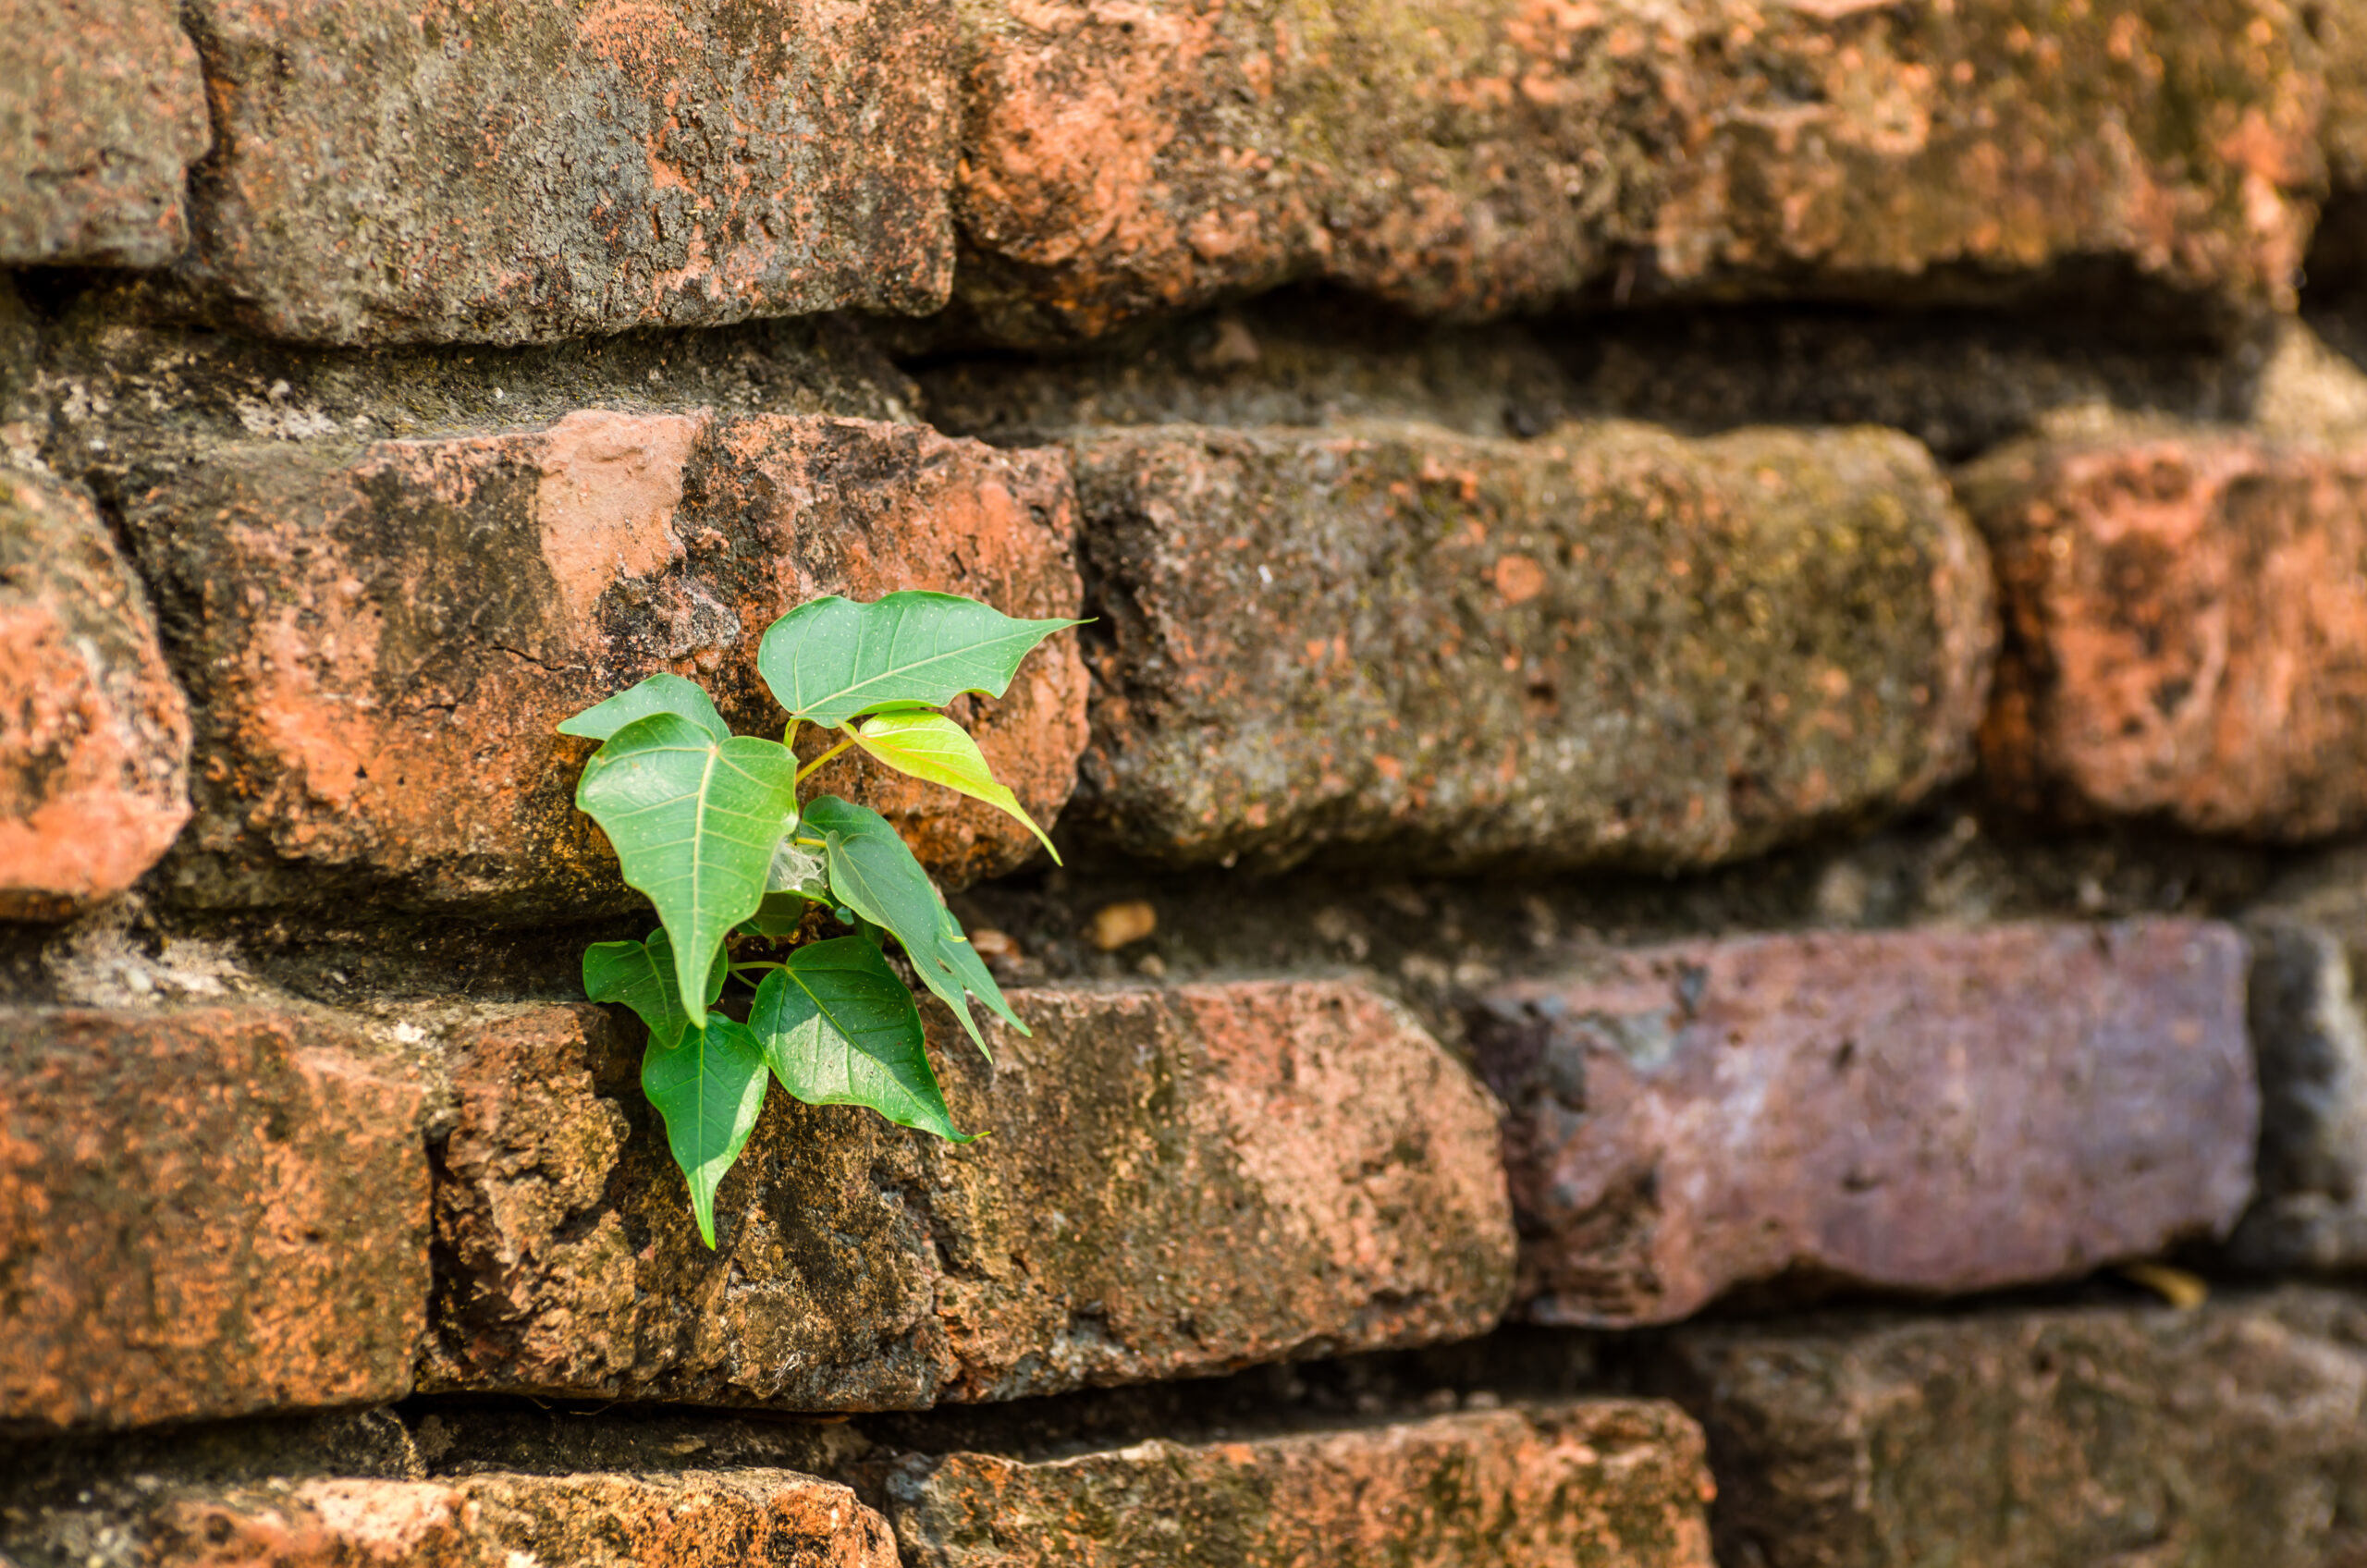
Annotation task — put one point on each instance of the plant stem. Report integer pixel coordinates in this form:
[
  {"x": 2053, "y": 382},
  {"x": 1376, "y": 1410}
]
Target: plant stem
[{"x": 805, "y": 772}]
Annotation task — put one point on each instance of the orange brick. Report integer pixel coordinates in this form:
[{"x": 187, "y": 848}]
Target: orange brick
[
  {"x": 1532, "y": 1487},
  {"x": 102, "y": 111},
  {"x": 1128, "y": 158},
  {"x": 1179, "y": 1183},
  {"x": 384, "y": 641},
  {"x": 1608, "y": 645},
  {"x": 2186, "y": 619},
  {"x": 94, "y": 736},
  {"x": 697, "y": 1519},
  {"x": 203, "y": 1214},
  {"x": 444, "y": 172}
]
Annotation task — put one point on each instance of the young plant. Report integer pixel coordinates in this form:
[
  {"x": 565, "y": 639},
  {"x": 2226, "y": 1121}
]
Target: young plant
[{"x": 707, "y": 823}]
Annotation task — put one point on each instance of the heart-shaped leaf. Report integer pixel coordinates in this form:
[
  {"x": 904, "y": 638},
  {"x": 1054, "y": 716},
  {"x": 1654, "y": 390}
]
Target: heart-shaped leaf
[
  {"x": 832, "y": 660},
  {"x": 694, "y": 821},
  {"x": 659, "y": 693},
  {"x": 709, "y": 1087},
  {"x": 839, "y": 1027},
  {"x": 641, "y": 975},
  {"x": 931, "y": 746},
  {"x": 877, "y": 878}
]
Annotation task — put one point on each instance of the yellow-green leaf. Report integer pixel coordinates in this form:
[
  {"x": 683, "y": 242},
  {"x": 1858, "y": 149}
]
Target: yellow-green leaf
[{"x": 932, "y": 747}]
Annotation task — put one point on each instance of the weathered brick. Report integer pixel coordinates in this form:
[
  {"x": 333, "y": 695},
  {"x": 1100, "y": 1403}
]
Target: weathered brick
[
  {"x": 2227, "y": 1435},
  {"x": 2186, "y": 631},
  {"x": 1696, "y": 1116},
  {"x": 1610, "y": 645},
  {"x": 2308, "y": 1031},
  {"x": 203, "y": 1214},
  {"x": 1180, "y": 1182},
  {"x": 102, "y": 110},
  {"x": 443, "y": 171},
  {"x": 94, "y": 736},
  {"x": 382, "y": 638},
  {"x": 1596, "y": 1481},
  {"x": 710, "y": 1519},
  {"x": 1126, "y": 158}
]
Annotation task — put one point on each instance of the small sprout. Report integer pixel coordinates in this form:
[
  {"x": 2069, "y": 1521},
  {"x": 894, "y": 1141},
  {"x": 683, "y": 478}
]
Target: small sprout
[{"x": 709, "y": 827}]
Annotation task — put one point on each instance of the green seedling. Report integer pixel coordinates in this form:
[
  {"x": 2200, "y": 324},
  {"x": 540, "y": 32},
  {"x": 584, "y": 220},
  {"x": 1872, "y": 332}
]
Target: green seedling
[{"x": 709, "y": 827}]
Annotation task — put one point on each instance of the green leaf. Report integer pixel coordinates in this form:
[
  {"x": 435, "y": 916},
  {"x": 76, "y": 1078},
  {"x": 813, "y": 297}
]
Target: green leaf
[
  {"x": 709, "y": 1087},
  {"x": 932, "y": 747},
  {"x": 839, "y": 1027},
  {"x": 694, "y": 821},
  {"x": 641, "y": 975},
  {"x": 831, "y": 659},
  {"x": 659, "y": 693},
  {"x": 877, "y": 878}
]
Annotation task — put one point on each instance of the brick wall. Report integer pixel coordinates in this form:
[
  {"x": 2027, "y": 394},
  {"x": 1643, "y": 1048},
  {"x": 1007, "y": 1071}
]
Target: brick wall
[{"x": 1715, "y": 814}]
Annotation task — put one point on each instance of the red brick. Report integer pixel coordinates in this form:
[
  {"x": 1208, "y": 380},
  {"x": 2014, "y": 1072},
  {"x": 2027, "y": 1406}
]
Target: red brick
[
  {"x": 203, "y": 1214},
  {"x": 1921, "y": 1110},
  {"x": 1179, "y": 1183},
  {"x": 94, "y": 736},
  {"x": 102, "y": 109},
  {"x": 1607, "y": 645},
  {"x": 697, "y": 1519},
  {"x": 443, "y": 171},
  {"x": 1598, "y": 1481},
  {"x": 2186, "y": 618},
  {"x": 1123, "y": 158},
  {"x": 384, "y": 640}
]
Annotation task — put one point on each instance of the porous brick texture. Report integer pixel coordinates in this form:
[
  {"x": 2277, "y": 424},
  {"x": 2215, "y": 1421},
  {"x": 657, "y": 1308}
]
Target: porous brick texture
[
  {"x": 449, "y": 172},
  {"x": 382, "y": 638},
  {"x": 1596, "y": 1481},
  {"x": 1709, "y": 888},
  {"x": 1122, "y": 159},
  {"x": 1608, "y": 645},
  {"x": 2186, "y": 631},
  {"x": 2037, "y": 1439},
  {"x": 1689, "y": 1118},
  {"x": 203, "y": 1213},
  {"x": 94, "y": 736},
  {"x": 695, "y": 1519},
  {"x": 102, "y": 111},
  {"x": 1178, "y": 1182}
]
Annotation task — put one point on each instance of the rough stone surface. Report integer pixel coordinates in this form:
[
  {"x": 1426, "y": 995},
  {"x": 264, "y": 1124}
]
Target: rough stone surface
[
  {"x": 94, "y": 736},
  {"x": 1600, "y": 1481},
  {"x": 102, "y": 110},
  {"x": 2309, "y": 1032},
  {"x": 1610, "y": 645},
  {"x": 1701, "y": 1116},
  {"x": 382, "y": 638},
  {"x": 2186, "y": 631},
  {"x": 712, "y": 1519},
  {"x": 1179, "y": 1183},
  {"x": 398, "y": 173},
  {"x": 1123, "y": 158},
  {"x": 203, "y": 1214},
  {"x": 2034, "y": 1440}
]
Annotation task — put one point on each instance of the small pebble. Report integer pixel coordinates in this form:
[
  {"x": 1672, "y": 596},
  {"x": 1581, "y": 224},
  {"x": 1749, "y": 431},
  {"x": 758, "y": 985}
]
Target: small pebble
[{"x": 1114, "y": 925}]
